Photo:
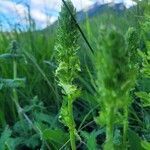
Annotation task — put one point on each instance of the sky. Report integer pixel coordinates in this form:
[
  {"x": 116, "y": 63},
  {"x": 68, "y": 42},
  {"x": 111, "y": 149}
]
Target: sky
[{"x": 13, "y": 13}]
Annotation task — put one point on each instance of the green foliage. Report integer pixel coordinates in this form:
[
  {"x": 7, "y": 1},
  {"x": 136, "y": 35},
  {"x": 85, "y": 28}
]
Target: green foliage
[
  {"x": 145, "y": 34},
  {"x": 14, "y": 51},
  {"x": 133, "y": 43},
  {"x": 91, "y": 142},
  {"x": 134, "y": 141},
  {"x": 68, "y": 65},
  {"x": 145, "y": 145},
  {"x": 146, "y": 65},
  {"x": 107, "y": 79},
  {"x": 145, "y": 98},
  {"x": 4, "y": 139},
  {"x": 57, "y": 137},
  {"x": 116, "y": 76},
  {"x": 144, "y": 94},
  {"x": 66, "y": 47},
  {"x": 12, "y": 83},
  {"x": 9, "y": 56},
  {"x": 145, "y": 55}
]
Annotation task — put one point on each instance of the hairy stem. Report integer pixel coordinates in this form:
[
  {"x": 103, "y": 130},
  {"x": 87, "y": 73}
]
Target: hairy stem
[
  {"x": 72, "y": 124},
  {"x": 109, "y": 130},
  {"x": 15, "y": 95},
  {"x": 125, "y": 126}
]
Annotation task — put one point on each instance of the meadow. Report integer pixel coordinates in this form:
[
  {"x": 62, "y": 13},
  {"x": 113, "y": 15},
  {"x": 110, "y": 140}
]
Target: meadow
[{"x": 77, "y": 85}]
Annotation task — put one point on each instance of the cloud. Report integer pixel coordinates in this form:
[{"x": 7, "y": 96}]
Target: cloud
[
  {"x": 10, "y": 7},
  {"x": 56, "y": 4},
  {"x": 43, "y": 11},
  {"x": 11, "y": 14},
  {"x": 38, "y": 15},
  {"x": 82, "y": 4},
  {"x": 129, "y": 3}
]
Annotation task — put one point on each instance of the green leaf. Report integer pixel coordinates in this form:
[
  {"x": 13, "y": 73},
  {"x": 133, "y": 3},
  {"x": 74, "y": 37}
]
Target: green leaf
[
  {"x": 44, "y": 118},
  {"x": 91, "y": 138},
  {"x": 146, "y": 121},
  {"x": 10, "y": 56},
  {"x": 134, "y": 141},
  {"x": 12, "y": 83},
  {"x": 69, "y": 89},
  {"x": 145, "y": 97},
  {"x": 117, "y": 137},
  {"x": 64, "y": 117},
  {"x": 145, "y": 145},
  {"x": 6, "y": 134},
  {"x": 1, "y": 85},
  {"x": 57, "y": 136},
  {"x": 33, "y": 141}
]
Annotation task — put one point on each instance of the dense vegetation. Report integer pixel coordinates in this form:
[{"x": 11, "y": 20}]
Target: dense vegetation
[{"x": 60, "y": 90}]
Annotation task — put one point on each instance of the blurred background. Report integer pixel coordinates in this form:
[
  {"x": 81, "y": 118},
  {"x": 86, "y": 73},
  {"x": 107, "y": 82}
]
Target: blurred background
[{"x": 14, "y": 13}]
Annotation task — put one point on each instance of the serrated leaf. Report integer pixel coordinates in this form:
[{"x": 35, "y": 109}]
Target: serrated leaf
[
  {"x": 57, "y": 136},
  {"x": 145, "y": 97},
  {"x": 13, "y": 83},
  {"x": 6, "y": 134},
  {"x": 33, "y": 141},
  {"x": 69, "y": 89},
  {"x": 91, "y": 138},
  {"x": 44, "y": 118}
]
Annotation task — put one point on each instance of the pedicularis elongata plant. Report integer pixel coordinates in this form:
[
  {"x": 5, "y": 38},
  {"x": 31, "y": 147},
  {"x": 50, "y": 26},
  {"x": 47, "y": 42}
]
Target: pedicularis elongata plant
[
  {"x": 14, "y": 83},
  {"x": 116, "y": 75},
  {"x": 145, "y": 55},
  {"x": 132, "y": 41},
  {"x": 14, "y": 51},
  {"x": 68, "y": 66}
]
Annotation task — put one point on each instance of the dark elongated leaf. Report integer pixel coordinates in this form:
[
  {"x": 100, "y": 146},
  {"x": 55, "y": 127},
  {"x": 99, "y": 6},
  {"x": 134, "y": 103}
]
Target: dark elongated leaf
[
  {"x": 134, "y": 141},
  {"x": 10, "y": 56},
  {"x": 12, "y": 83}
]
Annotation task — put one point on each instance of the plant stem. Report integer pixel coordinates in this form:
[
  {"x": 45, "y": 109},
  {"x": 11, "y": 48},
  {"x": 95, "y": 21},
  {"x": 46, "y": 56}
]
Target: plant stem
[
  {"x": 72, "y": 124},
  {"x": 109, "y": 130},
  {"x": 125, "y": 126},
  {"x": 15, "y": 95}
]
